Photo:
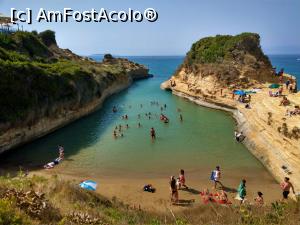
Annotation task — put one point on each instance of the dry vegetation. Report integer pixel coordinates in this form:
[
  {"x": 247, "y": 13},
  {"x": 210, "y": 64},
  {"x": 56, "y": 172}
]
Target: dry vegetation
[{"x": 63, "y": 202}]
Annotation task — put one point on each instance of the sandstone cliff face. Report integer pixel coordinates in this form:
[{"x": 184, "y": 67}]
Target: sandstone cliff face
[{"x": 43, "y": 87}]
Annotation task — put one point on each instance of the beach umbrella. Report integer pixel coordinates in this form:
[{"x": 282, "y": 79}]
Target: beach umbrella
[
  {"x": 88, "y": 185},
  {"x": 239, "y": 92},
  {"x": 274, "y": 86}
]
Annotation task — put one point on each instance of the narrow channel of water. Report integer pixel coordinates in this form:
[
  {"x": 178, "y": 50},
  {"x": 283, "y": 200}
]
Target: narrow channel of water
[{"x": 203, "y": 140}]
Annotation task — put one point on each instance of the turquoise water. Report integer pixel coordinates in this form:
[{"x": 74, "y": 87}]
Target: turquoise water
[
  {"x": 203, "y": 140},
  {"x": 290, "y": 63}
]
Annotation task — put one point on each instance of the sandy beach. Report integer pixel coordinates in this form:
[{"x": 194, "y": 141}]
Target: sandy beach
[{"x": 129, "y": 189}]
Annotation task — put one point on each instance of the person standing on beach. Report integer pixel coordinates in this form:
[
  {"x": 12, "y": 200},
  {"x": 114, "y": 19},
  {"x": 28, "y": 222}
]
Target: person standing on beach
[
  {"x": 181, "y": 180},
  {"x": 286, "y": 185},
  {"x": 242, "y": 191},
  {"x": 173, "y": 190},
  {"x": 152, "y": 133},
  {"x": 217, "y": 176}
]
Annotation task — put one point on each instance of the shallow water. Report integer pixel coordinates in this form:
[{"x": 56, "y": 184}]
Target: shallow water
[{"x": 203, "y": 140}]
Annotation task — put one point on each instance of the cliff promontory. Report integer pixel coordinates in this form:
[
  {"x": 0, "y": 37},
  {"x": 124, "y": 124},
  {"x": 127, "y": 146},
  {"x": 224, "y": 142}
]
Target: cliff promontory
[
  {"x": 230, "y": 61},
  {"x": 44, "y": 87}
]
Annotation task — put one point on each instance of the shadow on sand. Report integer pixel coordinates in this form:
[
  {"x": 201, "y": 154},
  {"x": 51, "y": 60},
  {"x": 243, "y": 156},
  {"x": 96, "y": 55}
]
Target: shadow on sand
[
  {"x": 229, "y": 189},
  {"x": 191, "y": 190},
  {"x": 184, "y": 202}
]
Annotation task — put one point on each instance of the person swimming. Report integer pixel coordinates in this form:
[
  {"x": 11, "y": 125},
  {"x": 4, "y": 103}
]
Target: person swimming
[
  {"x": 139, "y": 125},
  {"x": 114, "y": 109},
  {"x": 115, "y": 134},
  {"x": 181, "y": 118}
]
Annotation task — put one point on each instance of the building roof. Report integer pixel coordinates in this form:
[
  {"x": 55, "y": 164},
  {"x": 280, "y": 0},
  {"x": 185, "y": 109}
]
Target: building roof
[{"x": 4, "y": 19}]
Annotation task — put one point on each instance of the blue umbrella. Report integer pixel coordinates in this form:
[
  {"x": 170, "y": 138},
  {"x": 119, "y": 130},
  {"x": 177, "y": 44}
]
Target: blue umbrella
[
  {"x": 88, "y": 185},
  {"x": 239, "y": 92}
]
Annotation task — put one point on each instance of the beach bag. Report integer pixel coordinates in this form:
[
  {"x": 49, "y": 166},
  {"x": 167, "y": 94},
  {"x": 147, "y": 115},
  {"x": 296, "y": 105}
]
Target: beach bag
[
  {"x": 149, "y": 188},
  {"x": 212, "y": 175}
]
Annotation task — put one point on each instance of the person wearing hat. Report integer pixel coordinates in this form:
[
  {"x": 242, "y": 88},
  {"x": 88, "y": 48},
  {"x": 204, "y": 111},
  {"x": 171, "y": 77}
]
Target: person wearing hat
[{"x": 259, "y": 200}]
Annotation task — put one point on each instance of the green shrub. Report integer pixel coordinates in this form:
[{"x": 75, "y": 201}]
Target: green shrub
[
  {"x": 48, "y": 37},
  {"x": 221, "y": 47},
  {"x": 10, "y": 215}
]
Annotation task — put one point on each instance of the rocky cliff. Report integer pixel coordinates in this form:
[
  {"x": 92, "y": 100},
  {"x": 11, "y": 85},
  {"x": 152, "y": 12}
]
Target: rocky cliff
[
  {"x": 228, "y": 61},
  {"x": 44, "y": 87}
]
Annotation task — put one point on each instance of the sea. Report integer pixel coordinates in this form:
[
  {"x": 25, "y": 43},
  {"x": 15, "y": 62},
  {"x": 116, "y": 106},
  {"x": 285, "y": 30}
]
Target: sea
[{"x": 201, "y": 141}]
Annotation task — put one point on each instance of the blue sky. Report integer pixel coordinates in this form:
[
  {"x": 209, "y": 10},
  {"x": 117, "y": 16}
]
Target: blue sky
[{"x": 180, "y": 24}]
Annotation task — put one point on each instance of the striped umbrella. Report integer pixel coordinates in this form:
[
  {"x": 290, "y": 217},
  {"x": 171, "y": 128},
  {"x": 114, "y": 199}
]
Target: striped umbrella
[{"x": 88, "y": 185}]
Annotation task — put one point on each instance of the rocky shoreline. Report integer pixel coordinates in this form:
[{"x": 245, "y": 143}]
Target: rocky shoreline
[{"x": 277, "y": 153}]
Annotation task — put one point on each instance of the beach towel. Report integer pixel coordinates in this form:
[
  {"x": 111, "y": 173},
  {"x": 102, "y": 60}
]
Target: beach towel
[
  {"x": 149, "y": 188},
  {"x": 206, "y": 198}
]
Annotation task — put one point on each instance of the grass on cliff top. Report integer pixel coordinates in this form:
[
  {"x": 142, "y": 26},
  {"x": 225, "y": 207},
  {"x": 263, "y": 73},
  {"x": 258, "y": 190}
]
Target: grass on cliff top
[
  {"x": 66, "y": 198},
  {"x": 31, "y": 79},
  {"x": 222, "y": 47}
]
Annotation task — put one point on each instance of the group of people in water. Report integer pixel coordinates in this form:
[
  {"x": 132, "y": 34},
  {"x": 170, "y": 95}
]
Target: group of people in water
[
  {"x": 120, "y": 129},
  {"x": 219, "y": 195}
]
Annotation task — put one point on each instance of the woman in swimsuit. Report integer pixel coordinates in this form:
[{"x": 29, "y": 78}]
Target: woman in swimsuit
[{"x": 173, "y": 189}]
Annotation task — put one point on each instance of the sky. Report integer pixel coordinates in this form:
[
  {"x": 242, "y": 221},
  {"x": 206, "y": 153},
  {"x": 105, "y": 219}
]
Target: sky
[{"x": 180, "y": 23}]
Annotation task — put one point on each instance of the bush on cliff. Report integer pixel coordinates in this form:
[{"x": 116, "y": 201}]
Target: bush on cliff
[
  {"x": 48, "y": 37},
  {"x": 224, "y": 47}
]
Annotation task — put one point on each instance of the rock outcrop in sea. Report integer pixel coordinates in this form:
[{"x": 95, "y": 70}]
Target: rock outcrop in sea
[{"x": 226, "y": 61}]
